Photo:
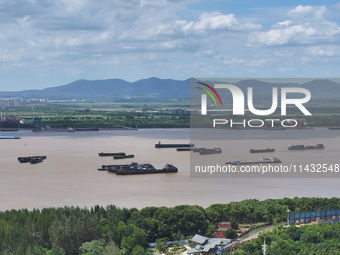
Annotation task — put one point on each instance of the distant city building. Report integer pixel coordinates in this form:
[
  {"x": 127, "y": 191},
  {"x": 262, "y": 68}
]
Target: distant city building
[
  {"x": 36, "y": 100},
  {"x": 179, "y": 112},
  {"x": 4, "y": 103},
  {"x": 217, "y": 112},
  {"x": 222, "y": 228}
]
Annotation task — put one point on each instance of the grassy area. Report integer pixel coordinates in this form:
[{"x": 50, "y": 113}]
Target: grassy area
[
  {"x": 96, "y": 115},
  {"x": 144, "y": 115}
]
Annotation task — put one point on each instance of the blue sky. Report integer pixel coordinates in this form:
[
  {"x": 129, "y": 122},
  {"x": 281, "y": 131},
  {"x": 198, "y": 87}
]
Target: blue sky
[{"x": 45, "y": 43}]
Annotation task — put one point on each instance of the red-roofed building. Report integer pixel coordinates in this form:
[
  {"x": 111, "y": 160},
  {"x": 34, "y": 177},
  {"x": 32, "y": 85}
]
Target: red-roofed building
[{"x": 222, "y": 228}]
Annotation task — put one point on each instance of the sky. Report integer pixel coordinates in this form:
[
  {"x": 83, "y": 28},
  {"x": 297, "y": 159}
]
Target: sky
[{"x": 47, "y": 43}]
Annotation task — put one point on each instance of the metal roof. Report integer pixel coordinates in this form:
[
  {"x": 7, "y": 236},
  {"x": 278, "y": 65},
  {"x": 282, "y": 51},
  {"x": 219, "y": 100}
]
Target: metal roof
[{"x": 199, "y": 239}]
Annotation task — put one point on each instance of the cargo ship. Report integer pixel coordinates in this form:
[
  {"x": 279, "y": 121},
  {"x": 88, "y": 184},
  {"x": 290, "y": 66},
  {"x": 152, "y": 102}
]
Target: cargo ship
[
  {"x": 185, "y": 149},
  {"x": 303, "y": 147},
  {"x": 261, "y": 150},
  {"x": 10, "y": 137},
  {"x": 31, "y": 159},
  {"x": 262, "y": 160},
  {"x": 210, "y": 151},
  {"x": 113, "y": 168},
  {"x": 123, "y": 156},
  {"x": 106, "y": 154},
  {"x": 173, "y": 145},
  {"x": 198, "y": 149},
  {"x": 146, "y": 169}
]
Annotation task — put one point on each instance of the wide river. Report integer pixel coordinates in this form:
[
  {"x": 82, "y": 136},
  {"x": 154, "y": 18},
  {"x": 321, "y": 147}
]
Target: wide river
[{"x": 69, "y": 177}]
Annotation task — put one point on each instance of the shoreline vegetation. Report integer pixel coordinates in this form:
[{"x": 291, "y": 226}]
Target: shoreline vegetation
[
  {"x": 141, "y": 115},
  {"x": 111, "y": 230}
]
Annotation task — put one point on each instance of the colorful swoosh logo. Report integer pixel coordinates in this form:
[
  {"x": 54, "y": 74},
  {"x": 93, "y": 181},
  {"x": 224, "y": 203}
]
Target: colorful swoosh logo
[{"x": 209, "y": 93}]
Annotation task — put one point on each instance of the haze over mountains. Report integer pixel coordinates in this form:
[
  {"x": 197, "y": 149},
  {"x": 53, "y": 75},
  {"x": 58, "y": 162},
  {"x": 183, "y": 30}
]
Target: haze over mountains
[
  {"x": 164, "y": 88},
  {"x": 151, "y": 87}
]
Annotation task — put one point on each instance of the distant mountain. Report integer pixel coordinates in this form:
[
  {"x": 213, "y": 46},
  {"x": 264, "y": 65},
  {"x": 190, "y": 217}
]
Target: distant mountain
[
  {"x": 151, "y": 87},
  {"x": 167, "y": 88}
]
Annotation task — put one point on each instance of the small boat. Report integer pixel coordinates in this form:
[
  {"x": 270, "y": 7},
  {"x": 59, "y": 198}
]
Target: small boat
[
  {"x": 106, "y": 154},
  {"x": 210, "y": 151},
  {"x": 261, "y": 150},
  {"x": 262, "y": 160},
  {"x": 29, "y": 158},
  {"x": 303, "y": 147},
  {"x": 123, "y": 156}
]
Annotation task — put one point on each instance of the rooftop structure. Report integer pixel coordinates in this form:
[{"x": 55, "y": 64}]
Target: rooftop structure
[{"x": 207, "y": 245}]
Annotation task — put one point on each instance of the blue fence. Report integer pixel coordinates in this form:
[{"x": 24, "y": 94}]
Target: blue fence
[{"x": 306, "y": 217}]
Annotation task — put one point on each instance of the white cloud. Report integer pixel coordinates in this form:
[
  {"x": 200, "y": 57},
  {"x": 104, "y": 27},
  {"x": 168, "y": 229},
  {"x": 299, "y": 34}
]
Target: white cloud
[
  {"x": 218, "y": 21},
  {"x": 234, "y": 61},
  {"x": 285, "y": 23},
  {"x": 319, "y": 51},
  {"x": 308, "y": 25},
  {"x": 310, "y": 12}
]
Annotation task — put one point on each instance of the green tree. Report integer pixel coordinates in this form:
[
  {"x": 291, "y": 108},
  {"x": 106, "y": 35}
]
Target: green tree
[
  {"x": 138, "y": 250},
  {"x": 94, "y": 247},
  {"x": 111, "y": 249},
  {"x": 161, "y": 244},
  {"x": 55, "y": 251},
  {"x": 230, "y": 233}
]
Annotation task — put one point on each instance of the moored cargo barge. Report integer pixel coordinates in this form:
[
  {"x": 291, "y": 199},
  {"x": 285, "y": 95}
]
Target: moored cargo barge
[
  {"x": 303, "y": 147},
  {"x": 173, "y": 145},
  {"x": 146, "y": 169},
  {"x": 106, "y": 154},
  {"x": 261, "y": 150},
  {"x": 262, "y": 160}
]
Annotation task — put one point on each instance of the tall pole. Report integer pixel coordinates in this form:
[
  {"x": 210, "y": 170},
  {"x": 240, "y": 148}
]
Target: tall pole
[
  {"x": 264, "y": 247},
  {"x": 288, "y": 211}
]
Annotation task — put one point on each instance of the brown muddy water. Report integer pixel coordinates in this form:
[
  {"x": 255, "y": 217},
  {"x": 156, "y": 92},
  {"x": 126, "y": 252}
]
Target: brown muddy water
[{"x": 69, "y": 177}]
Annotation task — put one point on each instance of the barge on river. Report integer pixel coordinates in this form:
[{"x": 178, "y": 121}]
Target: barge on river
[
  {"x": 107, "y": 154},
  {"x": 303, "y": 147},
  {"x": 262, "y": 160},
  {"x": 173, "y": 145},
  {"x": 31, "y": 159},
  {"x": 146, "y": 169},
  {"x": 261, "y": 150}
]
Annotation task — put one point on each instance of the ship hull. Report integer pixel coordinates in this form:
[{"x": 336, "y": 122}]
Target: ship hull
[
  {"x": 210, "y": 151},
  {"x": 261, "y": 150},
  {"x": 173, "y": 145},
  {"x": 110, "y": 154},
  {"x": 123, "y": 156},
  {"x": 254, "y": 162},
  {"x": 154, "y": 171}
]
